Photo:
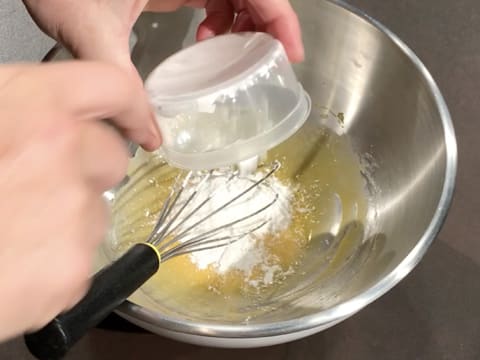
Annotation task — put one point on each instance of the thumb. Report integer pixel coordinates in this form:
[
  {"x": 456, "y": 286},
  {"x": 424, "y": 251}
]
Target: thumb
[
  {"x": 118, "y": 53},
  {"x": 104, "y": 91},
  {"x": 220, "y": 16}
]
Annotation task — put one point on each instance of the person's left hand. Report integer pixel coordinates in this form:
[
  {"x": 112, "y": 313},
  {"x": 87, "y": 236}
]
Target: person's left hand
[{"x": 100, "y": 29}]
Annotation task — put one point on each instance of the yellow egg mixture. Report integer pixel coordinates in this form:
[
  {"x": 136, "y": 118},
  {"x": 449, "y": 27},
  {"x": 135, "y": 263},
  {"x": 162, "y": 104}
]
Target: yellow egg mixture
[{"x": 321, "y": 170}]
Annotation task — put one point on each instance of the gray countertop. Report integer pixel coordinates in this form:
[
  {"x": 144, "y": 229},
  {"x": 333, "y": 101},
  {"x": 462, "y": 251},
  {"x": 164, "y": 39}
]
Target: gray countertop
[
  {"x": 435, "y": 312},
  {"x": 20, "y": 39}
]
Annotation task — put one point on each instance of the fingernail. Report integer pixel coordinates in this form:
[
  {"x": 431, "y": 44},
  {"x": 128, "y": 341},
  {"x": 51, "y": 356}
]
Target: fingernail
[
  {"x": 204, "y": 33},
  {"x": 242, "y": 22}
]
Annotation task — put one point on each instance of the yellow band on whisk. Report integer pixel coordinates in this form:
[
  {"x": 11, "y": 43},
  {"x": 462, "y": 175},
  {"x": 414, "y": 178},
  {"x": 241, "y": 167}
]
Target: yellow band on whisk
[{"x": 154, "y": 249}]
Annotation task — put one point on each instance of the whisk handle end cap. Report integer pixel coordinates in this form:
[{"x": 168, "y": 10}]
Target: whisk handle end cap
[
  {"x": 110, "y": 287},
  {"x": 50, "y": 343}
]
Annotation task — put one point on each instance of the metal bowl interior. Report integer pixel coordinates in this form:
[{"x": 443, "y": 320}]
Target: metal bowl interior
[{"x": 394, "y": 117}]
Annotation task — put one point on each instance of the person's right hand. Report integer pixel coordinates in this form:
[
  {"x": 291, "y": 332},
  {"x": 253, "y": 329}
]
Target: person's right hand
[
  {"x": 57, "y": 157},
  {"x": 100, "y": 29}
]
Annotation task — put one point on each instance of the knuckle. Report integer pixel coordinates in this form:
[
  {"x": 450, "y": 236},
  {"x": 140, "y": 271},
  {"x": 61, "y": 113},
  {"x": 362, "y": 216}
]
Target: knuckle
[
  {"x": 82, "y": 269},
  {"x": 112, "y": 156},
  {"x": 33, "y": 81}
]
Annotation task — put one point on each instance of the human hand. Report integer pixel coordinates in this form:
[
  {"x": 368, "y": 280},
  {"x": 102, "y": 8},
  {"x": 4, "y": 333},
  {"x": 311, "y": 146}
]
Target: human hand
[
  {"x": 56, "y": 159},
  {"x": 275, "y": 17},
  {"x": 100, "y": 30}
]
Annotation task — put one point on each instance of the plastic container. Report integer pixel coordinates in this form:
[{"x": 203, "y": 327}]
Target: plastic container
[{"x": 225, "y": 100}]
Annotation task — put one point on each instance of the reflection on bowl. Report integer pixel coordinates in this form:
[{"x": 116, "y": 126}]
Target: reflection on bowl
[
  {"x": 321, "y": 240},
  {"x": 392, "y": 115}
]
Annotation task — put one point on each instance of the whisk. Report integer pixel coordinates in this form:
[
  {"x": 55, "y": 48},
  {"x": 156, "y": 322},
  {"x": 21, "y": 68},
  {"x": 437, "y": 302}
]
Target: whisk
[{"x": 175, "y": 233}]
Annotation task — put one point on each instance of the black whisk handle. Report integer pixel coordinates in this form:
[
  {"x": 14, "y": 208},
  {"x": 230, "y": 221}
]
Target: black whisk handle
[{"x": 110, "y": 287}]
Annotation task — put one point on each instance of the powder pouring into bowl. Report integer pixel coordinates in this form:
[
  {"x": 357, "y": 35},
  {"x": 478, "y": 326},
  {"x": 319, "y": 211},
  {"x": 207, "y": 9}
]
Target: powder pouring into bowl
[{"x": 247, "y": 253}]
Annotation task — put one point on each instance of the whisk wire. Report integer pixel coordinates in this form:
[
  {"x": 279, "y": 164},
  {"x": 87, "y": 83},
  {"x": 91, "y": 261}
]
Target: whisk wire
[
  {"x": 178, "y": 238},
  {"x": 163, "y": 230},
  {"x": 186, "y": 203},
  {"x": 202, "y": 204},
  {"x": 165, "y": 210},
  {"x": 196, "y": 245},
  {"x": 254, "y": 185}
]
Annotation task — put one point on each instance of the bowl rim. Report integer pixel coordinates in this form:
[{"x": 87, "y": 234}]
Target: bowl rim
[{"x": 378, "y": 289}]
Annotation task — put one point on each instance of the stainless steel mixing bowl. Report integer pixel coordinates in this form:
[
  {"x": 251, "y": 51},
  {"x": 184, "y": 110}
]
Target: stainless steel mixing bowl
[{"x": 392, "y": 111}]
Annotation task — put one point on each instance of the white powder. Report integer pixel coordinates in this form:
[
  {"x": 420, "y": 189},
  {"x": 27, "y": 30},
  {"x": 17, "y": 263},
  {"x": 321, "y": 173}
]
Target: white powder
[{"x": 248, "y": 252}]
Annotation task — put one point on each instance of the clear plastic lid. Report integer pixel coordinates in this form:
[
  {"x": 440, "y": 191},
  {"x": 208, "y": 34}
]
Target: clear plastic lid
[{"x": 226, "y": 99}]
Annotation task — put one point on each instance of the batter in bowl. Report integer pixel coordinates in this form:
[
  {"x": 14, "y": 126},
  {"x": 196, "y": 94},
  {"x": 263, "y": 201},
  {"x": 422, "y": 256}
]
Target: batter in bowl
[{"x": 319, "y": 195}]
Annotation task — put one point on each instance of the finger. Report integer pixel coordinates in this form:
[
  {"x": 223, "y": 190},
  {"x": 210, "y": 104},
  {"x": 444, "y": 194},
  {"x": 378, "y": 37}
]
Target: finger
[
  {"x": 96, "y": 223},
  {"x": 172, "y": 5},
  {"x": 278, "y": 18},
  {"x": 91, "y": 90},
  {"x": 76, "y": 294},
  {"x": 220, "y": 15},
  {"x": 104, "y": 156},
  {"x": 243, "y": 22},
  {"x": 65, "y": 299}
]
